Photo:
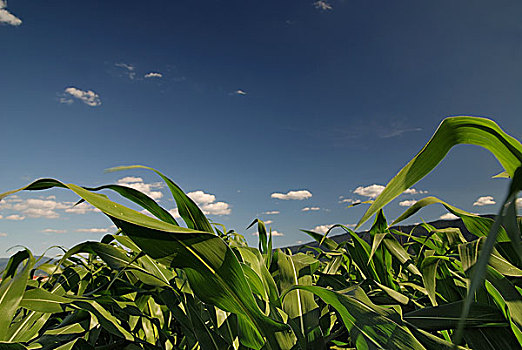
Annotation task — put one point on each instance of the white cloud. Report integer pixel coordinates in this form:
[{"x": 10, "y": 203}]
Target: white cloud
[
  {"x": 93, "y": 230},
  {"x": 239, "y": 92},
  {"x": 482, "y": 201},
  {"x": 448, "y": 216},
  {"x": 371, "y": 191},
  {"x": 414, "y": 191},
  {"x": 407, "y": 203},
  {"x": 268, "y": 222},
  {"x": 43, "y": 208},
  {"x": 322, "y": 5},
  {"x": 7, "y": 17},
  {"x": 15, "y": 217},
  {"x": 322, "y": 228},
  {"x": 274, "y": 233},
  {"x": 271, "y": 212},
  {"x": 51, "y": 230},
  {"x": 3, "y": 234},
  {"x": 88, "y": 97},
  {"x": 36, "y": 208},
  {"x": 201, "y": 197},
  {"x": 218, "y": 208},
  {"x": 310, "y": 209},
  {"x": 292, "y": 195},
  {"x": 349, "y": 200},
  {"x": 153, "y": 75},
  {"x": 137, "y": 183}
]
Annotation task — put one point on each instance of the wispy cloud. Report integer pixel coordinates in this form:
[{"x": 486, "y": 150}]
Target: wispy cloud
[
  {"x": 482, "y": 201},
  {"x": 7, "y": 17},
  {"x": 88, "y": 97},
  {"x": 3, "y": 234},
  {"x": 310, "y": 209},
  {"x": 349, "y": 200},
  {"x": 274, "y": 233},
  {"x": 239, "y": 92},
  {"x": 292, "y": 195},
  {"x": 407, "y": 203},
  {"x": 52, "y": 230},
  {"x": 153, "y": 75},
  {"x": 93, "y": 230},
  {"x": 15, "y": 217},
  {"x": 322, "y": 5},
  {"x": 137, "y": 183},
  {"x": 271, "y": 212},
  {"x": 128, "y": 69},
  {"x": 448, "y": 216}
]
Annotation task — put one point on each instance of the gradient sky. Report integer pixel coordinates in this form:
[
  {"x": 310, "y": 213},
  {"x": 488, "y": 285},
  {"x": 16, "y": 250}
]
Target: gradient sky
[{"x": 241, "y": 102}]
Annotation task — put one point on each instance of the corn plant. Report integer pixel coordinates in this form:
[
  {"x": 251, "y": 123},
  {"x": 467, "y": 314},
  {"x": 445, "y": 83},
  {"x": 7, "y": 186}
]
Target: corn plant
[{"x": 154, "y": 284}]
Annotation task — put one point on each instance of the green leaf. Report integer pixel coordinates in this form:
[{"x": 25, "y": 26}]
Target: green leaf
[
  {"x": 452, "y": 131},
  {"x": 41, "y": 300},
  {"x": 368, "y": 327},
  {"x": 447, "y": 316},
  {"x": 12, "y": 290}
]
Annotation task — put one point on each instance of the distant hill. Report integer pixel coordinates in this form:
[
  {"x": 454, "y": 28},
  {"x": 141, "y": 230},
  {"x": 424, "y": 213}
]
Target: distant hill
[{"x": 419, "y": 231}]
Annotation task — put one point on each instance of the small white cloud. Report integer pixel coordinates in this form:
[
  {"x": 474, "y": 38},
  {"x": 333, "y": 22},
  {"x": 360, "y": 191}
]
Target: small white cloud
[
  {"x": 271, "y": 212},
  {"x": 7, "y": 17},
  {"x": 268, "y": 222},
  {"x": 322, "y": 228},
  {"x": 482, "y": 201},
  {"x": 3, "y": 234},
  {"x": 414, "y": 191},
  {"x": 408, "y": 203},
  {"x": 239, "y": 92},
  {"x": 218, "y": 208},
  {"x": 153, "y": 75},
  {"x": 88, "y": 97},
  {"x": 15, "y": 217},
  {"x": 292, "y": 195},
  {"x": 137, "y": 183},
  {"x": 274, "y": 233},
  {"x": 448, "y": 216},
  {"x": 371, "y": 191},
  {"x": 310, "y": 209},
  {"x": 322, "y": 5},
  {"x": 51, "y": 230},
  {"x": 93, "y": 230},
  {"x": 350, "y": 201},
  {"x": 66, "y": 100}
]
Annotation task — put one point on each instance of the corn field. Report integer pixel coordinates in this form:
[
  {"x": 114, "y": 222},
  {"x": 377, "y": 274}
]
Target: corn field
[{"x": 154, "y": 284}]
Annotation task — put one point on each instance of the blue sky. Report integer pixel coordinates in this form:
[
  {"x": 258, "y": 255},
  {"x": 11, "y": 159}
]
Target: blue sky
[{"x": 242, "y": 102}]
